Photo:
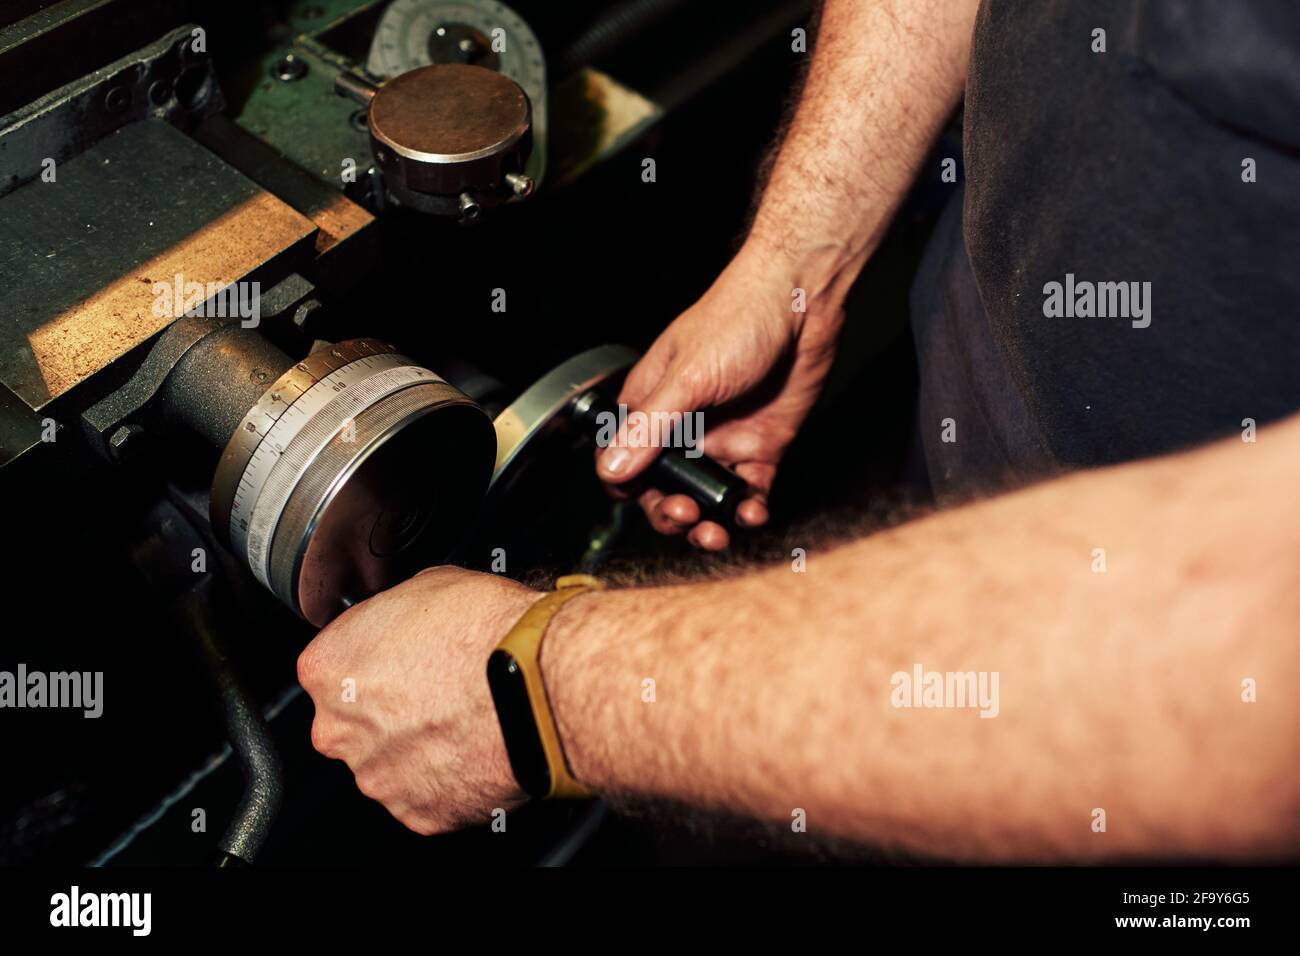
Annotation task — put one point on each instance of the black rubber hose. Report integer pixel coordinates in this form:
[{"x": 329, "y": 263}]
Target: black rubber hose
[{"x": 610, "y": 31}]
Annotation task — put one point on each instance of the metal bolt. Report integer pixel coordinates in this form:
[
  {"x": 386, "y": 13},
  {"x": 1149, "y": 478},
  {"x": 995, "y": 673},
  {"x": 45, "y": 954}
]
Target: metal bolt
[
  {"x": 354, "y": 87},
  {"x": 521, "y": 184},
  {"x": 289, "y": 68},
  {"x": 118, "y": 99},
  {"x": 469, "y": 208}
]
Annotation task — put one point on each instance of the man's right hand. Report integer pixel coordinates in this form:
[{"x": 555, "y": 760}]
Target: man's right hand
[
  {"x": 743, "y": 355},
  {"x": 884, "y": 80}
]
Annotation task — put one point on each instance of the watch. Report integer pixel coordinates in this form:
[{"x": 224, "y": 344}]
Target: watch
[{"x": 523, "y": 708}]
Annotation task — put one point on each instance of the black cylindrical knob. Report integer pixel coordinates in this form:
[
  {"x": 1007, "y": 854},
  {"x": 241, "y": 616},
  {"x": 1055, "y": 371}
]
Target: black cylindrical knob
[{"x": 717, "y": 490}]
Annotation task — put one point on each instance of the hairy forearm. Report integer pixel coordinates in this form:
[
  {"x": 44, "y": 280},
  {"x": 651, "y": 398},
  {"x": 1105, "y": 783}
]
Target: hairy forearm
[
  {"x": 1118, "y": 690},
  {"x": 885, "y": 76}
]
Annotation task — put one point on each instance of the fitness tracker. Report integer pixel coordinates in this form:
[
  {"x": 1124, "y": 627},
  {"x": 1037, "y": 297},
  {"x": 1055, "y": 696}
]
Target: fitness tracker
[{"x": 515, "y": 678}]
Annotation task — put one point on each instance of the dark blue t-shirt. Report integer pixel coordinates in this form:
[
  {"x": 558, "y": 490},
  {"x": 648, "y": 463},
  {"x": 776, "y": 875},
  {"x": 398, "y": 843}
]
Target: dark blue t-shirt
[{"x": 1121, "y": 275}]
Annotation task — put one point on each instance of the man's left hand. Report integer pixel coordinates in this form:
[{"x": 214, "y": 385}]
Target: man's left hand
[{"x": 401, "y": 694}]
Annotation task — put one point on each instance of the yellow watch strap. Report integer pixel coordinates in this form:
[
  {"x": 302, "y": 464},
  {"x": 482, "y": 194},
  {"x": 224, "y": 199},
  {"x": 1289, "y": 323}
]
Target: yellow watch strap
[{"x": 524, "y": 644}]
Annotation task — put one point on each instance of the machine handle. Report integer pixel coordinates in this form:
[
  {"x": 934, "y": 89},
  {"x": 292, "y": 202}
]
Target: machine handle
[{"x": 716, "y": 489}]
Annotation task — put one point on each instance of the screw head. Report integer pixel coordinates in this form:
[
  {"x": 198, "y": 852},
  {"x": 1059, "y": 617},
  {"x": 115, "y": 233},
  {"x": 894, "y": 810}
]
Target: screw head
[
  {"x": 469, "y": 209},
  {"x": 289, "y": 68},
  {"x": 118, "y": 99},
  {"x": 521, "y": 185}
]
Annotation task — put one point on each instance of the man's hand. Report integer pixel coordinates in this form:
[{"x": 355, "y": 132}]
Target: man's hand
[
  {"x": 743, "y": 352},
  {"x": 885, "y": 77},
  {"x": 401, "y": 696}
]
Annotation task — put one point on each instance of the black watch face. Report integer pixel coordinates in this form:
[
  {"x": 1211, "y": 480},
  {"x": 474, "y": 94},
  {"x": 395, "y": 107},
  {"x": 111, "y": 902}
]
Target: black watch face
[{"x": 523, "y": 743}]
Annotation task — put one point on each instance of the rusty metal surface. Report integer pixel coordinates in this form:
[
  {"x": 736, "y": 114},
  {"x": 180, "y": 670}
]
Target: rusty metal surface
[
  {"x": 339, "y": 219},
  {"x": 446, "y": 137},
  {"x": 80, "y": 257},
  {"x": 449, "y": 113}
]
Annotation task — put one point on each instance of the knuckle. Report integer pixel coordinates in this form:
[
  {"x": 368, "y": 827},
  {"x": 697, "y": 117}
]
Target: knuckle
[
  {"x": 436, "y": 570},
  {"x": 423, "y": 825},
  {"x": 309, "y": 667},
  {"x": 369, "y": 784},
  {"x": 697, "y": 380},
  {"x": 322, "y": 739}
]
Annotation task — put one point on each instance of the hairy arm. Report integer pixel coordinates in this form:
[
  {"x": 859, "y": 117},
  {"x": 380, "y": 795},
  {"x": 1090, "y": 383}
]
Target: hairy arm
[
  {"x": 885, "y": 77},
  {"x": 756, "y": 348},
  {"x": 1119, "y": 690}
]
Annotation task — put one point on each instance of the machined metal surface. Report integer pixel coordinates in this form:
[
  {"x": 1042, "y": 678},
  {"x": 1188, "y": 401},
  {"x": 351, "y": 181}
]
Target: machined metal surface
[
  {"x": 201, "y": 372},
  {"x": 346, "y": 244},
  {"x": 451, "y": 130},
  {"x": 216, "y": 379},
  {"x": 543, "y": 405},
  {"x": 390, "y": 509},
  {"x": 89, "y": 263},
  {"x": 307, "y": 122},
  {"x": 415, "y": 33},
  {"x": 446, "y": 115},
  {"x": 485, "y": 33},
  {"x": 290, "y": 449},
  {"x": 328, "y": 488}
]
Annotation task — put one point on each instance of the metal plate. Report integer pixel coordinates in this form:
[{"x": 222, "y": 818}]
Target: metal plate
[
  {"x": 80, "y": 256},
  {"x": 541, "y": 406}
]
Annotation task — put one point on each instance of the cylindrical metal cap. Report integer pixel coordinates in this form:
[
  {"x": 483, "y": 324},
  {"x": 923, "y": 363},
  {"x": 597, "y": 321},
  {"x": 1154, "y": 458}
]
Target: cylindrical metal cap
[{"x": 451, "y": 129}]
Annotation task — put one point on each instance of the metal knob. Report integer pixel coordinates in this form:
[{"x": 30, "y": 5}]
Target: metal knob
[
  {"x": 354, "y": 469},
  {"x": 452, "y": 138}
]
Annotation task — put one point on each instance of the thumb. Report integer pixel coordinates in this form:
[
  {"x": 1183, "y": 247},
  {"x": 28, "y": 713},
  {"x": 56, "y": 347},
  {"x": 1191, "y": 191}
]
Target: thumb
[{"x": 639, "y": 439}]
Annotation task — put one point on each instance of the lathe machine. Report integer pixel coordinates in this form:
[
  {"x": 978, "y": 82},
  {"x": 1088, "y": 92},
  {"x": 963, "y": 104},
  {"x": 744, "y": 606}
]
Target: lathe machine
[{"x": 296, "y": 298}]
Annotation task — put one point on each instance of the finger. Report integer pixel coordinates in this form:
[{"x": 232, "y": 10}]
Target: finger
[
  {"x": 759, "y": 475},
  {"x": 681, "y": 509},
  {"x": 617, "y": 492},
  {"x": 752, "y": 512},
  {"x": 650, "y": 501},
  {"x": 709, "y": 536},
  {"x": 324, "y": 739},
  {"x": 624, "y": 460},
  {"x": 311, "y": 665},
  {"x": 646, "y": 374}
]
